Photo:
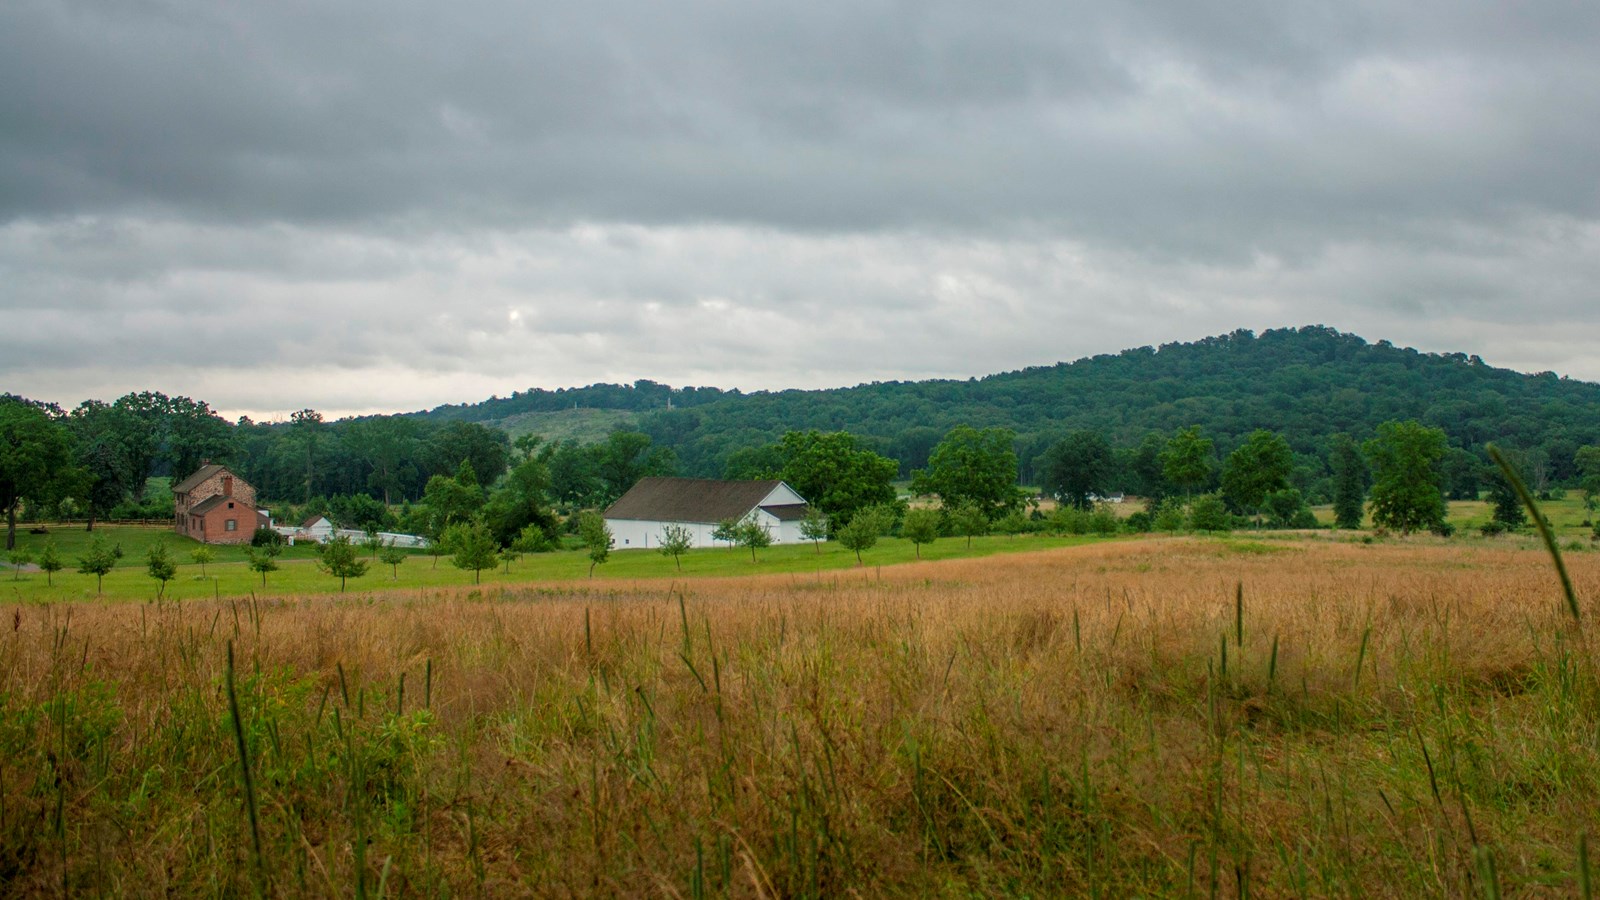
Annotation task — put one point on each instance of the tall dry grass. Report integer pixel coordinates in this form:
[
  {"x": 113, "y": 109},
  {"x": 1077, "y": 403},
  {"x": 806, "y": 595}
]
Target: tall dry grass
[{"x": 1160, "y": 718}]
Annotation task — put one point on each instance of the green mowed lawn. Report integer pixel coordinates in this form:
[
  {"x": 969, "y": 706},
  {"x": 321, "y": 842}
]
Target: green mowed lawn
[
  {"x": 229, "y": 576},
  {"x": 1566, "y": 515}
]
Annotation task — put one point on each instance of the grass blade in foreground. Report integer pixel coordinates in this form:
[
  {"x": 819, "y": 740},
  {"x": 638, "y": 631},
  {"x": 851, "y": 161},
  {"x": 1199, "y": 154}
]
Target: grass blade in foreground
[{"x": 1543, "y": 526}]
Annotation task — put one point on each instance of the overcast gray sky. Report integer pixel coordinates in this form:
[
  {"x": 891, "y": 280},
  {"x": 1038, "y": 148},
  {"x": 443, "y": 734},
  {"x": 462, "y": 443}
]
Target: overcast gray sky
[{"x": 364, "y": 206}]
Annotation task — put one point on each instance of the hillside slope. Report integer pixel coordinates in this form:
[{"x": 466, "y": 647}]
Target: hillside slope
[{"x": 1307, "y": 383}]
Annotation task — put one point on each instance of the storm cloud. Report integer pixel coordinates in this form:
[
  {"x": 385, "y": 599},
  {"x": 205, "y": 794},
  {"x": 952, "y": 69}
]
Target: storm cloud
[{"x": 367, "y": 206}]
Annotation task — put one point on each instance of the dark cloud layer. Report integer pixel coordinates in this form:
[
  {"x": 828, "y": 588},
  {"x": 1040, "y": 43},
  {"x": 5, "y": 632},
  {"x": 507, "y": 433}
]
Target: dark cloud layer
[{"x": 392, "y": 204}]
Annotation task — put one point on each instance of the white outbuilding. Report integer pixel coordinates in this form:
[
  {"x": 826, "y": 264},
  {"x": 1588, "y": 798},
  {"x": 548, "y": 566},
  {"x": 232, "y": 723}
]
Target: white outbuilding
[{"x": 638, "y": 518}]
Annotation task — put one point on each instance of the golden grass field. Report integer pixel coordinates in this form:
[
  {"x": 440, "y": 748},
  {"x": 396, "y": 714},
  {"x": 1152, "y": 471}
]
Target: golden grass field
[{"x": 1165, "y": 717}]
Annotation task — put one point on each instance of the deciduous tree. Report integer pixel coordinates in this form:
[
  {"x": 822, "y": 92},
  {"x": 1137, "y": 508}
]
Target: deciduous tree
[
  {"x": 1187, "y": 459},
  {"x": 340, "y": 559},
  {"x": 202, "y": 555},
  {"x": 835, "y": 474},
  {"x": 392, "y": 557},
  {"x": 675, "y": 542},
  {"x": 1405, "y": 465},
  {"x": 814, "y": 527},
  {"x": 596, "y": 537},
  {"x": 752, "y": 534},
  {"x": 1077, "y": 468},
  {"x": 1350, "y": 476},
  {"x": 471, "y": 547},
  {"x": 98, "y": 561},
  {"x": 921, "y": 526},
  {"x": 973, "y": 466},
  {"x": 158, "y": 562},
  {"x": 863, "y": 530},
  {"x": 1258, "y": 467},
  {"x": 35, "y": 460},
  {"x": 50, "y": 562}
]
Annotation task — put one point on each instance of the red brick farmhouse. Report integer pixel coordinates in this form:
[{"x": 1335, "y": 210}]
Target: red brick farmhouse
[{"x": 214, "y": 506}]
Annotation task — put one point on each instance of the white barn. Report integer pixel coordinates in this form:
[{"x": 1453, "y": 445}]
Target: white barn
[{"x": 637, "y": 519}]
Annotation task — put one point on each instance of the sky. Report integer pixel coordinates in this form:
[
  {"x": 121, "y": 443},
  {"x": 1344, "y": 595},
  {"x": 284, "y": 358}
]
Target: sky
[{"x": 365, "y": 207}]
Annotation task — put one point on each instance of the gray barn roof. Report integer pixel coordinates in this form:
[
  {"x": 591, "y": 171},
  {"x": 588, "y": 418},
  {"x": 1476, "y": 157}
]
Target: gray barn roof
[{"x": 657, "y": 499}]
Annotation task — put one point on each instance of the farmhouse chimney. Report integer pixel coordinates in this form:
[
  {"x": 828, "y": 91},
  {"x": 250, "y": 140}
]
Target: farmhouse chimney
[{"x": 227, "y": 485}]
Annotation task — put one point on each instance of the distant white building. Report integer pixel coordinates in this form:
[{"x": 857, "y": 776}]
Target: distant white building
[
  {"x": 320, "y": 529},
  {"x": 638, "y": 518}
]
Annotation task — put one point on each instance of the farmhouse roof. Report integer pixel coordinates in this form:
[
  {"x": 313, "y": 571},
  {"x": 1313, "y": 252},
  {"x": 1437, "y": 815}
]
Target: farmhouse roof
[
  {"x": 214, "y": 501},
  {"x": 787, "y": 512},
  {"x": 200, "y": 475},
  {"x": 313, "y": 521},
  {"x": 657, "y": 499}
]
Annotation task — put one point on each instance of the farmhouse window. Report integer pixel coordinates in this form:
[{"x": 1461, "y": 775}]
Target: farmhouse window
[{"x": 230, "y": 525}]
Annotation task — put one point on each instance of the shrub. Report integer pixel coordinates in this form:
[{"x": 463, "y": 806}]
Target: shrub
[
  {"x": 1169, "y": 515},
  {"x": 1490, "y": 529},
  {"x": 1443, "y": 529},
  {"x": 1140, "y": 522},
  {"x": 266, "y": 537},
  {"x": 1208, "y": 513},
  {"x": 1102, "y": 520}
]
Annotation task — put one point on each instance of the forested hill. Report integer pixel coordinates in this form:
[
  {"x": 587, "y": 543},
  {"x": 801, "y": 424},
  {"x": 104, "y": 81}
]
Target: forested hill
[{"x": 1307, "y": 383}]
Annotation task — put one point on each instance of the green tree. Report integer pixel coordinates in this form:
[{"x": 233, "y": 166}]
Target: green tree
[
  {"x": 727, "y": 530},
  {"x": 1208, "y": 513},
  {"x": 36, "y": 461},
  {"x": 340, "y": 558},
  {"x": 675, "y": 542},
  {"x": 814, "y": 527},
  {"x": 627, "y": 456},
  {"x": 596, "y": 537},
  {"x": 202, "y": 555},
  {"x": 752, "y": 534},
  {"x": 509, "y": 555},
  {"x": 307, "y": 427},
  {"x": 371, "y": 540},
  {"x": 533, "y": 539},
  {"x": 1186, "y": 461},
  {"x": 1170, "y": 515},
  {"x": 754, "y": 463},
  {"x": 1258, "y": 467},
  {"x": 1405, "y": 465},
  {"x": 968, "y": 520},
  {"x": 264, "y": 560},
  {"x": 836, "y": 475},
  {"x": 1507, "y": 506},
  {"x": 50, "y": 562},
  {"x": 98, "y": 561},
  {"x": 158, "y": 561},
  {"x": 392, "y": 557},
  {"x": 1349, "y": 481},
  {"x": 1587, "y": 461},
  {"x": 19, "y": 558},
  {"x": 976, "y": 467},
  {"x": 471, "y": 547},
  {"x": 1287, "y": 509},
  {"x": 863, "y": 530},
  {"x": 1077, "y": 468},
  {"x": 452, "y": 500},
  {"x": 523, "y": 500},
  {"x": 921, "y": 526},
  {"x": 1144, "y": 469},
  {"x": 102, "y": 434}
]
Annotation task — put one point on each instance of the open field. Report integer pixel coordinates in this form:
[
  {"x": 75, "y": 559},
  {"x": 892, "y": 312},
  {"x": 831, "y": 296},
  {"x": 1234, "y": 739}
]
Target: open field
[
  {"x": 1163, "y": 717},
  {"x": 228, "y": 576}
]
